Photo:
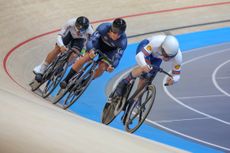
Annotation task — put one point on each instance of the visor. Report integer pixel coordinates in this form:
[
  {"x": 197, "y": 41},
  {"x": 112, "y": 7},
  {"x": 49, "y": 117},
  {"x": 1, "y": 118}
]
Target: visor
[
  {"x": 163, "y": 52},
  {"x": 79, "y": 28},
  {"x": 116, "y": 30}
]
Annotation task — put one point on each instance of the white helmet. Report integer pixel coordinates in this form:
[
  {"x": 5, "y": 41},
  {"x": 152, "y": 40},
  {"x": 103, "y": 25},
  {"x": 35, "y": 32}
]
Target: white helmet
[{"x": 170, "y": 45}]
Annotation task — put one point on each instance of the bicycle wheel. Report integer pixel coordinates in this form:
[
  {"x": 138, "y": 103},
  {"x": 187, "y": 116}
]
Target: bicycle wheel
[
  {"x": 62, "y": 92},
  {"x": 108, "y": 111},
  {"x": 35, "y": 84},
  {"x": 121, "y": 104},
  {"x": 140, "y": 109},
  {"x": 55, "y": 79},
  {"x": 77, "y": 90}
]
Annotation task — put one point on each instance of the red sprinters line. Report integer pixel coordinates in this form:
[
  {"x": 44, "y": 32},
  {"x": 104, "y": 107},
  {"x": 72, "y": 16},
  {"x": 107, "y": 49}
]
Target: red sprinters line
[
  {"x": 19, "y": 45},
  {"x": 168, "y": 10},
  {"x": 99, "y": 21}
]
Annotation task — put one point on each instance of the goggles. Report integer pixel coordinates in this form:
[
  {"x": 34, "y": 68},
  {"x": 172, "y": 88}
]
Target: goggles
[
  {"x": 80, "y": 28},
  {"x": 163, "y": 52},
  {"x": 115, "y": 30}
]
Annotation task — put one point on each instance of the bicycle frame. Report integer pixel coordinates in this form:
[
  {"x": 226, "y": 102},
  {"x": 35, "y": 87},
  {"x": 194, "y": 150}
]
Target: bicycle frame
[
  {"x": 81, "y": 81},
  {"x": 137, "y": 105},
  {"x": 50, "y": 71},
  {"x": 115, "y": 103}
]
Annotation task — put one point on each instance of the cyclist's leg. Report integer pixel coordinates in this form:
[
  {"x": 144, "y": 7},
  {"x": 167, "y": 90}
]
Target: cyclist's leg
[
  {"x": 120, "y": 89},
  {"x": 121, "y": 86},
  {"x": 75, "y": 68},
  {"x": 40, "y": 69},
  {"x": 102, "y": 67},
  {"x": 52, "y": 55},
  {"x": 76, "y": 45}
]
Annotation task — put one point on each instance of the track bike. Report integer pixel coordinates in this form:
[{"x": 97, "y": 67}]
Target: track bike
[
  {"x": 79, "y": 83},
  {"x": 53, "y": 74},
  {"x": 136, "y": 103}
]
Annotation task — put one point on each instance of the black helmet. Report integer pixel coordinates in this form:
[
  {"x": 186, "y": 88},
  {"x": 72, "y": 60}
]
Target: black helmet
[
  {"x": 119, "y": 25},
  {"x": 82, "y": 23}
]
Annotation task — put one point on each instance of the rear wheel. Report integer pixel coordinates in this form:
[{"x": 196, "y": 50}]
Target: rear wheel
[
  {"x": 140, "y": 109},
  {"x": 77, "y": 90},
  {"x": 62, "y": 92},
  {"x": 72, "y": 84},
  {"x": 108, "y": 111}
]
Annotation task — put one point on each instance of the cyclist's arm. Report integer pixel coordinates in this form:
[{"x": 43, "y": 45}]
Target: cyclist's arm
[
  {"x": 140, "y": 58},
  {"x": 63, "y": 30},
  {"x": 119, "y": 52},
  {"x": 146, "y": 51},
  {"x": 89, "y": 32},
  {"x": 93, "y": 41},
  {"x": 176, "y": 67},
  {"x": 117, "y": 57}
]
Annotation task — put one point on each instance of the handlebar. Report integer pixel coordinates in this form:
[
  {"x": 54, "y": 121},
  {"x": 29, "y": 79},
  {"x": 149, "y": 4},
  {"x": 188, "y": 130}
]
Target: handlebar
[
  {"x": 162, "y": 71},
  {"x": 104, "y": 56}
]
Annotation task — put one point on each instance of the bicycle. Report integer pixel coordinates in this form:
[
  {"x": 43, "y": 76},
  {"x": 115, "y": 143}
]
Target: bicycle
[
  {"x": 78, "y": 84},
  {"x": 136, "y": 106},
  {"x": 53, "y": 74}
]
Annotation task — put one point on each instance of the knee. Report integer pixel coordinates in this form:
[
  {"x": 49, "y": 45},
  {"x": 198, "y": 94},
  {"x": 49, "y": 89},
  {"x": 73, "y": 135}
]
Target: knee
[
  {"x": 82, "y": 60},
  {"x": 103, "y": 66},
  {"x": 56, "y": 49}
]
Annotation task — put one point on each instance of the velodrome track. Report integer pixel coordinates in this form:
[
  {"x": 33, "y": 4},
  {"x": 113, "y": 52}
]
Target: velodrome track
[{"x": 28, "y": 123}]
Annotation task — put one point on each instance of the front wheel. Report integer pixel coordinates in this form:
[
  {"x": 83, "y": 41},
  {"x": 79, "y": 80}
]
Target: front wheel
[
  {"x": 55, "y": 79},
  {"x": 140, "y": 109},
  {"x": 77, "y": 90}
]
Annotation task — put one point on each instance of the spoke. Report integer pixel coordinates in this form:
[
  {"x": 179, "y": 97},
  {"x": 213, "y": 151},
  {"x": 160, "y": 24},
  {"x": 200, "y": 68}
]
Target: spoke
[
  {"x": 140, "y": 116},
  {"x": 70, "y": 96}
]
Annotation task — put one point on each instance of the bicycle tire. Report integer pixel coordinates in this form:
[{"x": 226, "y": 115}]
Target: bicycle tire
[
  {"x": 108, "y": 111},
  {"x": 34, "y": 85},
  {"x": 53, "y": 82},
  {"x": 121, "y": 104},
  {"x": 62, "y": 92},
  {"x": 82, "y": 89},
  {"x": 131, "y": 111},
  {"x": 44, "y": 78}
]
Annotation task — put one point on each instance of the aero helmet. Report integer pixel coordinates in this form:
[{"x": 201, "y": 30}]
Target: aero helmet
[
  {"x": 82, "y": 23},
  {"x": 119, "y": 25},
  {"x": 170, "y": 46}
]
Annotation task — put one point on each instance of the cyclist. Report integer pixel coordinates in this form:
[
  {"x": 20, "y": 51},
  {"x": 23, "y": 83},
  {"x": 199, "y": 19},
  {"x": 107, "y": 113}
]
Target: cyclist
[
  {"x": 110, "y": 38},
  {"x": 153, "y": 51},
  {"x": 73, "y": 34}
]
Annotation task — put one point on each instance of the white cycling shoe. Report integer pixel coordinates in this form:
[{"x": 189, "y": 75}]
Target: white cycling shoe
[{"x": 40, "y": 69}]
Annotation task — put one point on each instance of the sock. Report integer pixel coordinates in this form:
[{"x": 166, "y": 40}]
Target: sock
[{"x": 70, "y": 75}]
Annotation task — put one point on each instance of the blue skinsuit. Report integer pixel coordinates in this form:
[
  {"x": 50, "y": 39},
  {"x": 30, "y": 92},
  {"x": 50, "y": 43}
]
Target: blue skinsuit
[{"x": 101, "y": 41}]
